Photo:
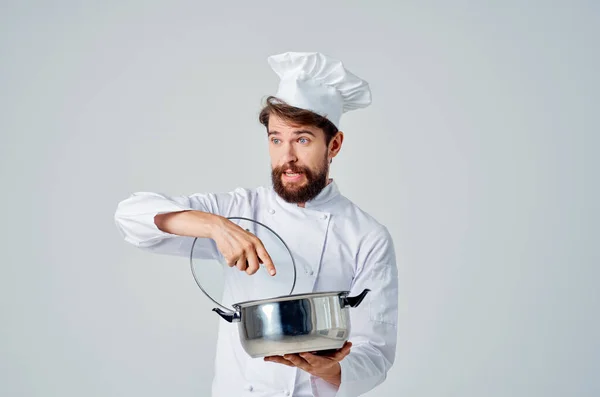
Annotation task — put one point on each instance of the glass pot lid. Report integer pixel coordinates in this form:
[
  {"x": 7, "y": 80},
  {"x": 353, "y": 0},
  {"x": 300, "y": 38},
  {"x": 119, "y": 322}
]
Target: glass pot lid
[{"x": 226, "y": 285}]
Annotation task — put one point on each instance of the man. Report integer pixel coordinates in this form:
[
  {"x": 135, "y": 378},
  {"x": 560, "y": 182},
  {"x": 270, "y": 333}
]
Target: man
[{"x": 340, "y": 246}]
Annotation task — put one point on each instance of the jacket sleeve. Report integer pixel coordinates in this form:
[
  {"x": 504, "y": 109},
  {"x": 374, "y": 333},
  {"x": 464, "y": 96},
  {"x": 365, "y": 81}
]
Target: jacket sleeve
[
  {"x": 373, "y": 323},
  {"x": 134, "y": 218}
]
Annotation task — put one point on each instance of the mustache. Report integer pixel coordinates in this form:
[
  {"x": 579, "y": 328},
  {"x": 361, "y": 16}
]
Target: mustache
[{"x": 292, "y": 168}]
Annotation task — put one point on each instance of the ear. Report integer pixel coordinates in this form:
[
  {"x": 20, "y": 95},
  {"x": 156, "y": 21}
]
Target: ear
[{"x": 335, "y": 145}]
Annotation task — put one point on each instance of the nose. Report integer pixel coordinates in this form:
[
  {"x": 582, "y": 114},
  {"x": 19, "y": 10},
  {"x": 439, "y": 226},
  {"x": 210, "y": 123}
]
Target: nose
[{"x": 289, "y": 155}]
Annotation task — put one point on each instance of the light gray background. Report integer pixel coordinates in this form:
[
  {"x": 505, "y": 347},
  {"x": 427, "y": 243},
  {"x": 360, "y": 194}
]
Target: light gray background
[{"x": 479, "y": 153}]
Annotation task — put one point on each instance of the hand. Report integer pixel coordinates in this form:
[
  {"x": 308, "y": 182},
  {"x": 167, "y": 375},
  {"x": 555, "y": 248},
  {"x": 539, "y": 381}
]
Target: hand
[
  {"x": 241, "y": 248},
  {"x": 326, "y": 367}
]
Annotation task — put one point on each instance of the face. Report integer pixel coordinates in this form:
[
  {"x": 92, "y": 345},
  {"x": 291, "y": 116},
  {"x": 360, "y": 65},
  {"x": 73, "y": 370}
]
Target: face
[{"x": 299, "y": 159}]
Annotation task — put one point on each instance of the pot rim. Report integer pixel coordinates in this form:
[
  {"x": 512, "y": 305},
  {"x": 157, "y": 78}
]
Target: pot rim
[{"x": 284, "y": 298}]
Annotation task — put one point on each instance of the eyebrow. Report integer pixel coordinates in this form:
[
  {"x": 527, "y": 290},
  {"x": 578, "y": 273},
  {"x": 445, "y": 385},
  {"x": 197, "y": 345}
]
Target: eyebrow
[{"x": 296, "y": 132}]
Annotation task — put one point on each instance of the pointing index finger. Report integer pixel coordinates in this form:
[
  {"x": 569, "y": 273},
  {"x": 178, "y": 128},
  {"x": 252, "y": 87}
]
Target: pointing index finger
[{"x": 266, "y": 259}]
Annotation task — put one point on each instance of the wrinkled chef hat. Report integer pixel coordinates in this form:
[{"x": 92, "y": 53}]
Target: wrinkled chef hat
[{"x": 316, "y": 82}]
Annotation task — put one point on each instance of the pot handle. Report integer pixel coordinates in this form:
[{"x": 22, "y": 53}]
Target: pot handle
[
  {"x": 228, "y": 316},
  {"x": 354, "y": 301}
]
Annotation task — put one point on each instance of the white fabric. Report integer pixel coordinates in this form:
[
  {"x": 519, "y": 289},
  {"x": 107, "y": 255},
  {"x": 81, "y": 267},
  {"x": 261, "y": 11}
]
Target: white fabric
[
  {"x": 336, "y": 246},
  {"x": 316, "y": 82}
]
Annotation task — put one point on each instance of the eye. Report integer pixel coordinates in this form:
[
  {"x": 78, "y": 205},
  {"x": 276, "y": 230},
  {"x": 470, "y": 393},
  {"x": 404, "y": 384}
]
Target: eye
[
  {"x": 303, "y": 140},
  {"x": 275, "y": 141}
]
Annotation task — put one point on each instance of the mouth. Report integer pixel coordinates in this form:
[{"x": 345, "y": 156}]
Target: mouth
[{"x": 292, "y": 176}]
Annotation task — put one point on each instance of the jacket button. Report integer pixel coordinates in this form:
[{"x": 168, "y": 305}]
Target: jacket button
[
  {"x": 324, "y": 216},
  {"x": 271, "y": 211},
  {"x": 249, "y": 387}
]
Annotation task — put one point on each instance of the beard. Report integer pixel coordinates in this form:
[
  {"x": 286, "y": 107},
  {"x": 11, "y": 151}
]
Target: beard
[{"x": 295, "y": 194}]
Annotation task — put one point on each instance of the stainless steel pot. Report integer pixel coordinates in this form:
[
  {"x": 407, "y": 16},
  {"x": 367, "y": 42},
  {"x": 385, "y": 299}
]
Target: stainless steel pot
[
  {"x": 316, "y": 322},
  {"x": 313, "y": 322}
]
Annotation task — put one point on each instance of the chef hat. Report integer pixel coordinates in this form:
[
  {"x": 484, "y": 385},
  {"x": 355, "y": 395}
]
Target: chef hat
[{"x": 316, "y": 82}]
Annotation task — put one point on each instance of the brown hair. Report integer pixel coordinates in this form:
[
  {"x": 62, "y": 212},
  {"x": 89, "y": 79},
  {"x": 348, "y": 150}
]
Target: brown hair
[{"x": 296, "y": 116}]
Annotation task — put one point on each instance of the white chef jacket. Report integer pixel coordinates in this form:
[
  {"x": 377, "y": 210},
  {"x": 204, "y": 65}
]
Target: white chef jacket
[{"x": 336, "y": 247}]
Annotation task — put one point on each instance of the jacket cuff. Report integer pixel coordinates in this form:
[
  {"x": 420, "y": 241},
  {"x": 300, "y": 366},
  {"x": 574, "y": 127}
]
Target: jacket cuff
[
  {"x": 321, "y": 388},
  {"x": 140, "y": 230}
]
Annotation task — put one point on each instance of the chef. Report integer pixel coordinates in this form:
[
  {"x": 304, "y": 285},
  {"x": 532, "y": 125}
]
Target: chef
[{"x": 336, "y": 245}]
